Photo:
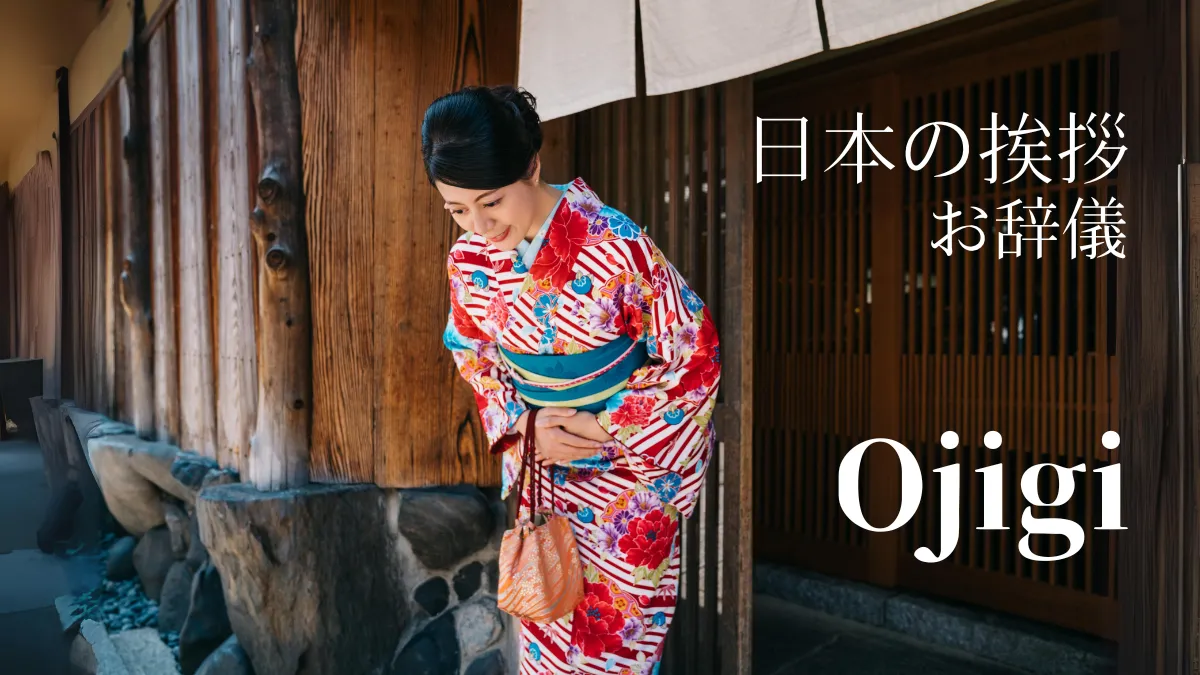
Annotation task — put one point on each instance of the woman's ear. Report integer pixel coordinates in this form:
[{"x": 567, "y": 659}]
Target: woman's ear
[{"x": 535, "y": 173}]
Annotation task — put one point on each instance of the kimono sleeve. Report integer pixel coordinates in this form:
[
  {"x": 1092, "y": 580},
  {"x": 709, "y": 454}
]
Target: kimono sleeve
[
  {"x": 663, "y": 419},
  {"x": 477, "y": 358}
]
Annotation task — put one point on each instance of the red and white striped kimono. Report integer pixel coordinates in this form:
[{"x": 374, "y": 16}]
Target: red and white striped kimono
[{"x": 590, "y": 277}]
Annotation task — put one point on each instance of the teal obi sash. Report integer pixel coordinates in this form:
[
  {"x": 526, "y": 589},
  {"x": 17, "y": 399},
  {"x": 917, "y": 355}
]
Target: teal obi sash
[{"x": 583, "y": 381}]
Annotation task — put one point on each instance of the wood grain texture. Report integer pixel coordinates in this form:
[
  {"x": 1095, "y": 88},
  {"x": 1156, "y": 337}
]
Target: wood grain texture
[
  {"x": 427, "y": 429},
  {"x": 338, "y": 95},
  {"x": 38, "y": 277},
  {"x": 110, "y": 190},
  {"x": 736, "y": 433},
  {"x": 163, "y": 252},
  {"x": 197, "y": 393},
  {"x": 237, "y": 368},
  {"x": 1148, "y": 345},
  {"x": 279, "y": 456},
  {"x": 136, "y": 265},
  {"x": 8, "y": 289},
  {"x": 86, "y": 277},
  {"x": 69, "y": 269},
  {"x": 389, "y": 405}
]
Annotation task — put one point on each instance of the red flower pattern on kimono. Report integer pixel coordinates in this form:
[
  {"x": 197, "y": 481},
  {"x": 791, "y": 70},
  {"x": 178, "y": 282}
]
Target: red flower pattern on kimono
[
  {"x": 634, "y": 411},
  {"x": 649, "y": 539},
  {"x": 567, "y": 235},
  {"x": 597, "y": 624}
]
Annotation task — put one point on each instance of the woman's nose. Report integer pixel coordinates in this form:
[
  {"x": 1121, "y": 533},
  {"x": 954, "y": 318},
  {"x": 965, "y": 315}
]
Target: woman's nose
[{"x": 483, "y": 225}]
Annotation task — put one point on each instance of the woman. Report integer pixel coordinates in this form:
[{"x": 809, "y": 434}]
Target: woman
[{"x": 549, "y": 283}]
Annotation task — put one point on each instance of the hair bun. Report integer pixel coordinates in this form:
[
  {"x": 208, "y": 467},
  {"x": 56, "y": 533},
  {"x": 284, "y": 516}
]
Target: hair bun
[{"x": 523, "y": 104}]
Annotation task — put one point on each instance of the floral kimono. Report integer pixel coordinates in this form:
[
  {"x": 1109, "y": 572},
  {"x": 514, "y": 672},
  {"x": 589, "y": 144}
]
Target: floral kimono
[{"x": 592, "y": 292}]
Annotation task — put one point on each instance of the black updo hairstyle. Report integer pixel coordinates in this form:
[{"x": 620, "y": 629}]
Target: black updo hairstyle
[{"x": 481, "y": 138}]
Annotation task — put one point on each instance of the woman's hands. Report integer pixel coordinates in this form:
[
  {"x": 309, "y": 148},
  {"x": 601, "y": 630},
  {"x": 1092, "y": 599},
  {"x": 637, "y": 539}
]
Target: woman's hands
[{"x": 565, "y": 435}]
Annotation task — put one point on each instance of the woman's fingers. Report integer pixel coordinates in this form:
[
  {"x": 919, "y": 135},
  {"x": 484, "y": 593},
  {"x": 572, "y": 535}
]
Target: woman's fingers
[
  {"x": 556, "y": 445},
  {"x": 549, "y": 417},
  {"x": 571, "y": 440}
]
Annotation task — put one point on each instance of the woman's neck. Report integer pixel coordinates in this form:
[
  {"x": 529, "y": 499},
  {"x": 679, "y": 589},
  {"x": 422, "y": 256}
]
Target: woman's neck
[{"x": 548, "y": 199}]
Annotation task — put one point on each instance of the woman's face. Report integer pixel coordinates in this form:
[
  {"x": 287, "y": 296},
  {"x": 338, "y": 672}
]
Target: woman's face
[{"x": 503, "y": 216}]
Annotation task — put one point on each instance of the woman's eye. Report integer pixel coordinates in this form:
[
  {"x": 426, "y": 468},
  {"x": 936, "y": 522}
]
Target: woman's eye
[
  {"x": 457, "y": 212},
  {"x": 491, "y": 204}
]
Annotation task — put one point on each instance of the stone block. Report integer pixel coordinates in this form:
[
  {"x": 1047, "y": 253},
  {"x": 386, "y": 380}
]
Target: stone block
[
  {"x": 153, "y": 558},
  {"x": 228, "y": 659},
  {"x": 491, "y": 663},
  {"x": 433, "y": 596},
  {"x": 144, "y": 652},
  {"x": 132, "y": 474},
  {"x": 93, "y": 652},
  {"x": 445, "y": 525},
  {"x": 467, "y": 580},
  {"x": 207, "y": 624},
  {"x": 433, "y": 651},
  {"x": 119, "y": 565},
  {"x": 299, "y": 567},
  {"x": 479, "y": 625},
  {"x": 176, "y": 597},
  {"x": 180, "y": 526},
  {"x": 1036, "y": 649}
]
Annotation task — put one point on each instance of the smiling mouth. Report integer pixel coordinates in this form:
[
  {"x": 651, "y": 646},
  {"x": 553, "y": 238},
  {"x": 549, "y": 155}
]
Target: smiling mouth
[{"x": 502, "y": 236}]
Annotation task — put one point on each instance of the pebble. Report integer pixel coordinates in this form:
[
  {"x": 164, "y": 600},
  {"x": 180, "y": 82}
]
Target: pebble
[{"x": 122, "y": 605}]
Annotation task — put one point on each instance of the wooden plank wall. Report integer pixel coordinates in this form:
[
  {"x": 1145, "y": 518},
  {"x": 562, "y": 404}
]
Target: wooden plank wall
[
  {"x": 162, "y": 232},
  {"x": 388, "y": 403},
  {"x": 237, "y": 364},
  {"x": 197, "y": 391},
  {"x": 8, "y": 287},
  {"x": 38, "y": 235},
  {"x": 200, "y": 196},
  {"x": 90, "y": 267}
]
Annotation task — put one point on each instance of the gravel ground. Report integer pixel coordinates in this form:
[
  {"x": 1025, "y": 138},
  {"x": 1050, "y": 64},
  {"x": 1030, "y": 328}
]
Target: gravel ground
[{"x": 121, "y": 606}]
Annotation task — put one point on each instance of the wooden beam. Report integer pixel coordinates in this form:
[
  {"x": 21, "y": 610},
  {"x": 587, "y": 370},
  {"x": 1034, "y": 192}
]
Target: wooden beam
[
  {"x": 135, "y": 268},
  {"x": 166, "y": 355},
  {"x": 197, "y": 392},
  {"x": 1157, "y": 622},
  {"x": 279, "y": 456},
  {"x": 736, "y": 421},
  {"x": 237, "y": 360}
]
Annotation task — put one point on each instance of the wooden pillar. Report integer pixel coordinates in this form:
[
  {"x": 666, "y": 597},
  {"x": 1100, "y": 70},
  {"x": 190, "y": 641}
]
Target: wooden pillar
[
  {"x": 736, "y": 421},
  {"x": 279, "y": 454},
  {"x": 1158, "y": 296},
  {"x": 135, "y": 267},
  {"x": 68, "y": 234}
]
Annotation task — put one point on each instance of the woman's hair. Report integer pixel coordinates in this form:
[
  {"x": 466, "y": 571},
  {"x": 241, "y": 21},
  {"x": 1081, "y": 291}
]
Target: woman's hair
[{"x": 481, "y": 138}]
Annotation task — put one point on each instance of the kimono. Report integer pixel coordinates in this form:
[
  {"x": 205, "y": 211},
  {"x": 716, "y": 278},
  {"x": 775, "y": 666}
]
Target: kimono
[{"x": 593, "y": 291}]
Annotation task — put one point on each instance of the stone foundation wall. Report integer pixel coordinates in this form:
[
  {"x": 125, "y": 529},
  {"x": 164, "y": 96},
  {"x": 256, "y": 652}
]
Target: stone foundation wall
[{"x": 323, "y": 579}]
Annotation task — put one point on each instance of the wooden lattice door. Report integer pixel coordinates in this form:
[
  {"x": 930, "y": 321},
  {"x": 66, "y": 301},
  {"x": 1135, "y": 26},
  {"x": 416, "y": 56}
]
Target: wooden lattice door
[{"x": 866, "y": 330}]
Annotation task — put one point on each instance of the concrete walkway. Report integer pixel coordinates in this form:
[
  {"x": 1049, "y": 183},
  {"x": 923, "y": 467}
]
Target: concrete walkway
[
  {"x": 31, "y": 639},
  {"x": 791, "y": 640}
]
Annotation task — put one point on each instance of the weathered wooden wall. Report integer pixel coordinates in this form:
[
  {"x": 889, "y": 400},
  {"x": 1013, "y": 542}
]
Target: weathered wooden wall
[
  {"x": 388, "y": 403},
  {"x": 201, "y": 164},
  {"x": 92, "y": 265},
  {"x": 8, "y": 286},
  {"x": 37, "y": 235}
]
